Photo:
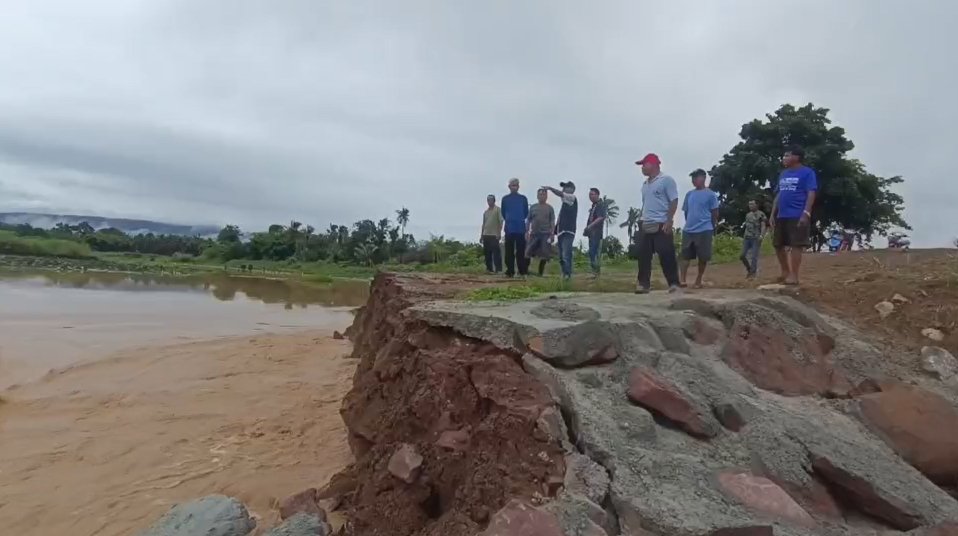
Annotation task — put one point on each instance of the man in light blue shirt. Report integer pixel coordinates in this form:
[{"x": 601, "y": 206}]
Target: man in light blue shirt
[
  {"x": 701, "y": 215},
  {"x": 660, "y": 200}
]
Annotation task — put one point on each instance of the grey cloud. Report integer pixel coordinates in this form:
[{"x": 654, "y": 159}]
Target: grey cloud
[{"x": 251, "y": 111}]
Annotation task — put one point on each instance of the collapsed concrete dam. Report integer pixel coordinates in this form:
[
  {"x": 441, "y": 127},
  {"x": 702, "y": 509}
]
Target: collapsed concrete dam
[{"x": 715, "y": 413}]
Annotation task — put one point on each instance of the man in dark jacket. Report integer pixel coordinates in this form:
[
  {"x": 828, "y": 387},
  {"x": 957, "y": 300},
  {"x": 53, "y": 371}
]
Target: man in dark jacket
[{"x": 515, "y": 212}]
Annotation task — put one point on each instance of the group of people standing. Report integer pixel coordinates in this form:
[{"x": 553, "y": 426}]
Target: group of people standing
[{"x": 530, "y": 230}]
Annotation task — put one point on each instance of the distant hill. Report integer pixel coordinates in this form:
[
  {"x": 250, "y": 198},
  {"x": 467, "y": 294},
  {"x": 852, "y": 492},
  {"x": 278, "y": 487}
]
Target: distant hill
[{"x": 48, "y": 221}]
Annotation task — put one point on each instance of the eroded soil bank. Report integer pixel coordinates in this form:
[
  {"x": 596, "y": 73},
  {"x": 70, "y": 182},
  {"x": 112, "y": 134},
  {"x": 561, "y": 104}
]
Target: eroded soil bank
[{"x": 723, "y": 412}]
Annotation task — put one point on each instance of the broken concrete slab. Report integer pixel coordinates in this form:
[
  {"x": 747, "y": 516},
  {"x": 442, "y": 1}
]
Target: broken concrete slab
[{"x": 783, "y": 404}]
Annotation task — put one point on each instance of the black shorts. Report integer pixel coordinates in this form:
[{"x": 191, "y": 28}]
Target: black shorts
[
  {"x": 697, "y": 246},
  {"x": 789, "y": 234}
]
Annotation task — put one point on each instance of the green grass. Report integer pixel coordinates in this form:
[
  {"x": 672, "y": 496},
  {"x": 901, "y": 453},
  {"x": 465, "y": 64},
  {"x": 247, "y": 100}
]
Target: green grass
[
  {"x": 11, "y": 244},
  {"x": 27, "y": 253},
  {"x": 503, "y": 293}
]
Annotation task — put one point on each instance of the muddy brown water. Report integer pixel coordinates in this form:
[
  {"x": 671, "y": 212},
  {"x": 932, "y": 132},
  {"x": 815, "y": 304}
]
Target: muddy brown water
[
  {"x": 52, "y": 320},
  {"x": 121, "y": 395}
]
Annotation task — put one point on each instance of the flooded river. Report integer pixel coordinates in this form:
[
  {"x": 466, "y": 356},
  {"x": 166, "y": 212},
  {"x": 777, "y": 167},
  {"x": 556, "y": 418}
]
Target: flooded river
[
  {"x": 52, "y": 320},
  {"x": 121, "y": 395}
]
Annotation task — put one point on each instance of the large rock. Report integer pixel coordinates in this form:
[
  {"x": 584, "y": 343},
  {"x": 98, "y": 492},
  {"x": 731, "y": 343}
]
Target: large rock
[
  {"x": 302, "y": 525},
  {"x": 939, "y": 362},
  {"x": 649, "y": 390},
  {"x": 776, "y": 361},
  {"x": 862, "y": 493},
  {"x": 304, "y": 502},
  {"x": 520, "y": 519},
  {"x": 920, "y": 425},
  {"x": 764, "y": 496},
  {"x": 404, "y": 464},
  {"x": 213, "y": 515}
]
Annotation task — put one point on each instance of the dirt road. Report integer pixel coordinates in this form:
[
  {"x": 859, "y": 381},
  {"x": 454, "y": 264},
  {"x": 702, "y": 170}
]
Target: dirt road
[
  {"x": 107, "y": 447},
  {"x": 848, "y": 285}
]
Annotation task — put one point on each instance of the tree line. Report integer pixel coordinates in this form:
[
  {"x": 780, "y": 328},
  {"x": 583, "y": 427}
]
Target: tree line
[{"x": 849, "y": 196}]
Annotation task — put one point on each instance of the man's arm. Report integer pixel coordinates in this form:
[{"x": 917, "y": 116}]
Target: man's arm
[
  {"x": 673, "y": 208},
  {"x": 807, "y": 213},
  {"x": 715, "y": 211},
  {"x": 762, "y": 226},
  {"x": 673, "y": 193},
  {"x": 552, "y": 223},
  {"x": 566, "y": 197},
  {"x": 595, "y": 223},
  {"x": 811, "y": 186},
  {"x": 502, "y": 221}
]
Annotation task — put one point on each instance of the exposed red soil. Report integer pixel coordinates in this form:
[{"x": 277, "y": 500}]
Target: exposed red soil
[
  {"x": 848, "y": 285},
  {"x": 465, "y": 406}
]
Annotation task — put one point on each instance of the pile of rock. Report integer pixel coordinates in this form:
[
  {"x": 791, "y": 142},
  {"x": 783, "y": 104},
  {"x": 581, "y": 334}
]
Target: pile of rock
[
  {"x": 217, "y": 515},
  {"x": 720, "y": 414}
]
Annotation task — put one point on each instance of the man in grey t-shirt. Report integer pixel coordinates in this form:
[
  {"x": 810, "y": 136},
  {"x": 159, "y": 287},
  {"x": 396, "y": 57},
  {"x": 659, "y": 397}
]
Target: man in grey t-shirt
[
  {"x": 542, "y": 222},
  {"x": 756, "y": 223},
  {"x": 660, "y": 201}
]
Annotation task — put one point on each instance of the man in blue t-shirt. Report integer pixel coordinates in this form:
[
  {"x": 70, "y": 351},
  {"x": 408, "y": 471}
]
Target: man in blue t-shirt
[
  {"x": 792, "y": 213},
  {"x": 701, "y": 215},
  {"x": 515, "y": 212}
]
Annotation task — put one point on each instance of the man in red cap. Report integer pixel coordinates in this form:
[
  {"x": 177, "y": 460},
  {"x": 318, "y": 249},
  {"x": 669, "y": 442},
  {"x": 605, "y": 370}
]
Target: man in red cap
[{"x": 660, "y": 200}]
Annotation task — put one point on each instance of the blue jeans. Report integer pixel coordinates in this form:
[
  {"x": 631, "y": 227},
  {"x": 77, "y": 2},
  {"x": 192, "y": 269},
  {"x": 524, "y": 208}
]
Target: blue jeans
[
  {"x": 565, "y": 253},
  {"x": 749, "y": 257},
  {"x": 595, "y": 253}
]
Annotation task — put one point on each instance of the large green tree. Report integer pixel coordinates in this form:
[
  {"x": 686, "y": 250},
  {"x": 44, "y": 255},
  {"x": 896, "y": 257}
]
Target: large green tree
[{"x": 848, "y": 195}]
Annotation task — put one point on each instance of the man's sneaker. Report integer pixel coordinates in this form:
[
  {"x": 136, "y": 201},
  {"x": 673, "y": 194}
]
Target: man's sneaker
[
  {"x": 674, "y": 288},
  {"x": 639, "y": 289}
]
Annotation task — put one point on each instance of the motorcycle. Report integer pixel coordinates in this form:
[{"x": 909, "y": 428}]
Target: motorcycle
[
  {"x": 835, "y": 241},
  {"x": 898, "y": 241}
]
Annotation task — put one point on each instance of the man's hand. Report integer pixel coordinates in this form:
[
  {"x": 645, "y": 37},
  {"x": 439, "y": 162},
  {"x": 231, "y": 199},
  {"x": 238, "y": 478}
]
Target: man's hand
[
  {"x": 803, "y": 221},
  {"x": 552, "y": 238},
  {"x": 667, "y": 227},
  {"x": 771, "y": 225}
]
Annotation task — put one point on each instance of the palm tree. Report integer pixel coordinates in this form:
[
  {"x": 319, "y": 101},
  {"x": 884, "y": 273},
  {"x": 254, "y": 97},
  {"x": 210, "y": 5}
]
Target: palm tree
[
  {"x": 611, "y": 211},
  {"x": 437, "y": 246},
  {"x": 402, "y": 218},
  {"x": 366, "y": 252},
  {"x": 632, "y": 218}
]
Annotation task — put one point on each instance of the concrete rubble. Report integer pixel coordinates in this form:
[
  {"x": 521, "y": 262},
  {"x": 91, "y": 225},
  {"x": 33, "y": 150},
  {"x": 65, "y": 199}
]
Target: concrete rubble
[{"x": 718, "y": 413}]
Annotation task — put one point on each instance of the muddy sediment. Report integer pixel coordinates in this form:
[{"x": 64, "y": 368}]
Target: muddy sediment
[{"x": 466, "y": 407}]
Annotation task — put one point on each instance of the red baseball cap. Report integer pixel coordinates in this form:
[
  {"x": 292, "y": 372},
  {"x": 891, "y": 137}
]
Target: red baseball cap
[{"x": 650, "y": 158}]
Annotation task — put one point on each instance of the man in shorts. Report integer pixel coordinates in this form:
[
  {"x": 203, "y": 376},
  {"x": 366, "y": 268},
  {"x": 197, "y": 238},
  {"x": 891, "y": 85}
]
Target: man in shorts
[
  {"x": 542, "y": 223},
  {"x": 792, "y": 213},
  {"x": 701, "y": 215}
]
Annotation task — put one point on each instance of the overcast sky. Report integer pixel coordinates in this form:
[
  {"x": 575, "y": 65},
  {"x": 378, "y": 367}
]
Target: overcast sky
[{"x": 260, "y": 111}]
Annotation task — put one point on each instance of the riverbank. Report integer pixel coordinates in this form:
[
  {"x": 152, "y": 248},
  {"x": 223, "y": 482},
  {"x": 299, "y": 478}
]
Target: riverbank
[{"x": 104, "y": 448}]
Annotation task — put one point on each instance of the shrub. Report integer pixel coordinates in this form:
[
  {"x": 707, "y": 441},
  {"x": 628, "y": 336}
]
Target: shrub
[{"x": 11, "y": 244}]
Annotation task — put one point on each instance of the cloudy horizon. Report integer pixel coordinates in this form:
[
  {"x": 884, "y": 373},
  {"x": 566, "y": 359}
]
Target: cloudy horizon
[{"x": 253, "y": 112}]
